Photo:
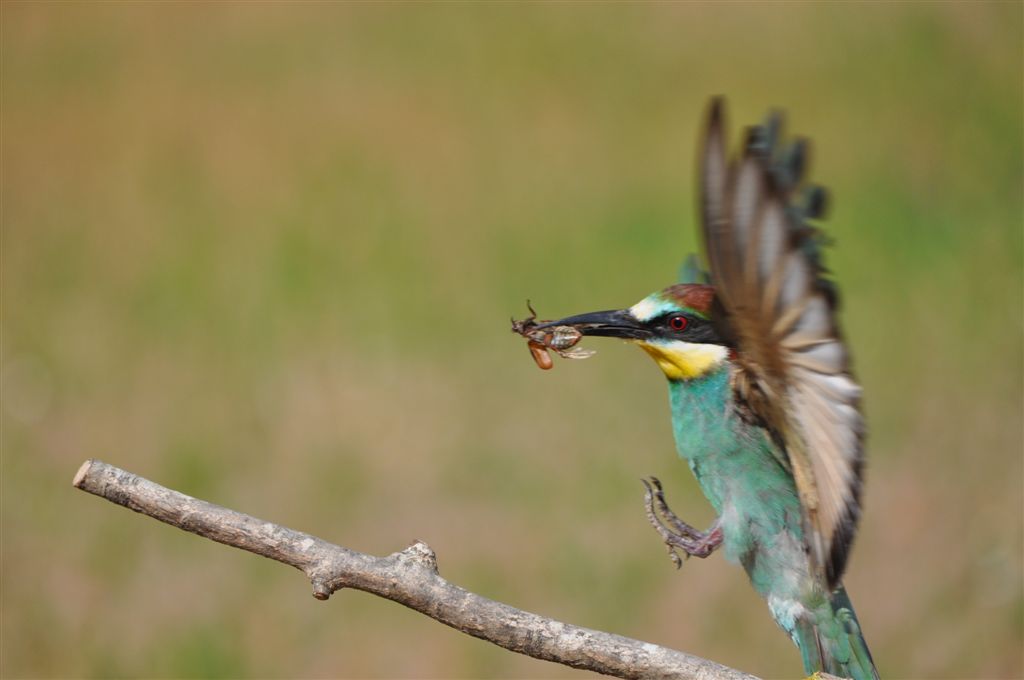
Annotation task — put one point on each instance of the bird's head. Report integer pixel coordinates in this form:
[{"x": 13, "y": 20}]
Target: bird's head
[{"x": 675, "y": 326}]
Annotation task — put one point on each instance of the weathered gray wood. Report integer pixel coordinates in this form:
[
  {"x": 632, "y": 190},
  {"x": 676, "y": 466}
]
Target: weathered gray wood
[{"x": 409, "y": 577}]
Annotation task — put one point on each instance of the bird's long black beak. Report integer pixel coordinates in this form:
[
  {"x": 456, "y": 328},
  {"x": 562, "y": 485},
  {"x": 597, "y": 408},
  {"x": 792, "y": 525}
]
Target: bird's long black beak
[{"x": 617, "y": 323}]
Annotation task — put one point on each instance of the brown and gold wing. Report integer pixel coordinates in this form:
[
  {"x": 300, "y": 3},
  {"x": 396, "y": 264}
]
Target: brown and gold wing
[{"x": 780, "y": 313}]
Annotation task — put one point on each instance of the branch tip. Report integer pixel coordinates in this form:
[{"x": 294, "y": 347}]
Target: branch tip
[{"x": 82, "y": 473}]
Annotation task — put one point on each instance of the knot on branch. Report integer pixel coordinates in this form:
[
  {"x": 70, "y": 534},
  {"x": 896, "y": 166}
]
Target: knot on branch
[
  {"x": 419, "y": 553},
  {"x": 321, "y": 590}
]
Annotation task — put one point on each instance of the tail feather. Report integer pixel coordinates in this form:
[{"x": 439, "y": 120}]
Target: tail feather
[{"x": 830, "y": 640}]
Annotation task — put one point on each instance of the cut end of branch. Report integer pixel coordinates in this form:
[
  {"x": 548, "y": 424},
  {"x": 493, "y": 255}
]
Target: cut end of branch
[{"x": 82, "y": 473}]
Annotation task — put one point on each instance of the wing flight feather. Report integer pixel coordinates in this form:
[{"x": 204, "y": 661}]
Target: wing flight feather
[{"x": 780, "y": 311}]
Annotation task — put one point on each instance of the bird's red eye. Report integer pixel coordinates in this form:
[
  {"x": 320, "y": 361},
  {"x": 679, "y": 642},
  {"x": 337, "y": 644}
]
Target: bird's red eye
[{"x": 678, "y": 323}]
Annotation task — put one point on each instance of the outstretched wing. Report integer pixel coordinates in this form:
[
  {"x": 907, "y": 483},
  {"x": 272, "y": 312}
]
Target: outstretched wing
[{"x": 780, "y": 309}]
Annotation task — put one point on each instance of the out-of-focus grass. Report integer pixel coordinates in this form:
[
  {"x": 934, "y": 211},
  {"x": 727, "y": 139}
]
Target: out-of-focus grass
[{"x": 267, "y": 254}]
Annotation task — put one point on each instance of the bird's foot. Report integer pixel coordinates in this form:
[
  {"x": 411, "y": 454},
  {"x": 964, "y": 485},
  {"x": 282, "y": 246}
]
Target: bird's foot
[{"x": 675, "y": 532}]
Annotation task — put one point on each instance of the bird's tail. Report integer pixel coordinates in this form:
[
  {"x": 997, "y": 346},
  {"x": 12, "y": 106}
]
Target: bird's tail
[{"x": 831, "y": 641}]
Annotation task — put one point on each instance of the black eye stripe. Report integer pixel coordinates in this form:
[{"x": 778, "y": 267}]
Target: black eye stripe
[{"x": 697, "y": 329}]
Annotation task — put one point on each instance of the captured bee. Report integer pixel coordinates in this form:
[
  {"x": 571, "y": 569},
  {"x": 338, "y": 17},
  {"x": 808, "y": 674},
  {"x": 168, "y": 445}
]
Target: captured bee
[{"x": 558, "y": 339}]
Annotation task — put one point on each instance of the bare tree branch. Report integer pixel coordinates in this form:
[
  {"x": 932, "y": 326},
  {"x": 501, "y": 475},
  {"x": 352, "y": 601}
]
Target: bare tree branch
[{"x": 408, "y": 577}]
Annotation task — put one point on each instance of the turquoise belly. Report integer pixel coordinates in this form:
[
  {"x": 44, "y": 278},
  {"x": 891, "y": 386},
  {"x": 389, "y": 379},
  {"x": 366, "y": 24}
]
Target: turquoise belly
[{"x": 753, "y": 494}]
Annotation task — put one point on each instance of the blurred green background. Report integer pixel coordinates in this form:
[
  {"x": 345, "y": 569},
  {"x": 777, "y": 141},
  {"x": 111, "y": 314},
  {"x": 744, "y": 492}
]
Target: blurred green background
[{"x": 267, "y": 255}]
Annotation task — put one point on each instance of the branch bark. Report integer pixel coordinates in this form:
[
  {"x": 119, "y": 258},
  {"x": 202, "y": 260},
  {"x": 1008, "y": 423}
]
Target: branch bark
[{"x": 409, "y": 577}]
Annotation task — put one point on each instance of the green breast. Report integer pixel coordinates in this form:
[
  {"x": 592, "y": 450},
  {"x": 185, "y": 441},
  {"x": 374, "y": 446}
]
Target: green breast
[{"x": 754, "y": 495}]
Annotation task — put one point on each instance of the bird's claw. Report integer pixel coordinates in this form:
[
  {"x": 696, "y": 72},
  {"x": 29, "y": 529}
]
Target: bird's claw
[{"x": 674, "y": 532}]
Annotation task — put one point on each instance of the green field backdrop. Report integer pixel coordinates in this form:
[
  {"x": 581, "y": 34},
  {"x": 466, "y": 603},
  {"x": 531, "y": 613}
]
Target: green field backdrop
[{"x": 267, "y": 254}]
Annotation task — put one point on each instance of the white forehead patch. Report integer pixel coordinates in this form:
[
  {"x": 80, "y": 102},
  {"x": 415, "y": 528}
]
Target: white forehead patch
[{"x": 650, "y": 307}]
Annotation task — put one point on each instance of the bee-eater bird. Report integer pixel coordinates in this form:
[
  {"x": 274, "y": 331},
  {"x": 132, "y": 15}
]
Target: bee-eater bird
[{"x": 764, "y": 407}]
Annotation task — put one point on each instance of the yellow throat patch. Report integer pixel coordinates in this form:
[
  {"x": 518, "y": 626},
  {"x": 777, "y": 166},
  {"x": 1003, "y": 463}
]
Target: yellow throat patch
[{"x": 684, "y": 360}]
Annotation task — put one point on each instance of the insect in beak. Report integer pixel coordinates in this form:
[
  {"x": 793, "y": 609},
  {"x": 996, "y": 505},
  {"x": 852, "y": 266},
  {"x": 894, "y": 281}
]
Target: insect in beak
[{"x": 543, "y": 336}]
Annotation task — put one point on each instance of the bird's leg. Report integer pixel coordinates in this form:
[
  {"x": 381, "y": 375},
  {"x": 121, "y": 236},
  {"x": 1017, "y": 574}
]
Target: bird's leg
[
  {"x": 655, "y": 499},
  {"x": 675, "y": 532}
]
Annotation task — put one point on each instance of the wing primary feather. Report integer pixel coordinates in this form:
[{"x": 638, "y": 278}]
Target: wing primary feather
[{"x": 778, "y": 310}]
